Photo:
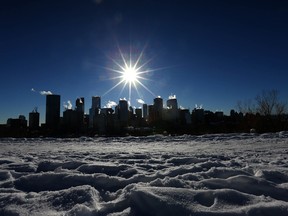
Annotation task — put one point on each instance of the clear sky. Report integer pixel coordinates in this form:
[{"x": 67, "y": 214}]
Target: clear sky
[{"x": 207, "y": 52}]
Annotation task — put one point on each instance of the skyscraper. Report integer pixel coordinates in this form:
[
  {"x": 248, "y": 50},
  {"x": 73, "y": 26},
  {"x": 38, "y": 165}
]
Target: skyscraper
[
  {"x": 94, "y": 110},
  {"x": 172, "y": 112},
  {"x": 123, "y": 111},
  {"x": 96, "y": 102},
  {"x": 80, "y": 104},
  {"x": 145, "y": 111},
  {"x": 34, "y": 117},
  {"x": 158, "y": 108},
  {"x": 52, "y": 111},
  {"x": 172, "y": 104}
]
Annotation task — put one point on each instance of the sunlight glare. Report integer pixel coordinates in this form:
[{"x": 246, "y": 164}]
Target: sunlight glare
[{"x": 130, "y": 75}]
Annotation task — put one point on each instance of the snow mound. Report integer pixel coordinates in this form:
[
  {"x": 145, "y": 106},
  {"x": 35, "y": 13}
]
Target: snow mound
[{"x": 219, "y": 174}]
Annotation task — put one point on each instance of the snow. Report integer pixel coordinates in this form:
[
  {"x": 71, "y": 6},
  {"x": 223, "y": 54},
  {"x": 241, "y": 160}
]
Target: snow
[{"x": 220, "y": 174}]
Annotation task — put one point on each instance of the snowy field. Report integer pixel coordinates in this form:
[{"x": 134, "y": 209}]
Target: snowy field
[{"x": 236, "y": 174}]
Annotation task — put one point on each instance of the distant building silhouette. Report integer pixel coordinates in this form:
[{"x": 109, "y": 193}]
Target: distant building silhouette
[
  {"x": 138, "y": 113},
  {"x": 145, "y": 111},
  {"x": 17, "y": 123},
  {"x": 185, "y": 117},
  {"x": 73, "y": 120},
  {"x": 52, "y": 111},
  {"x": 34, "y": 119},
  {"x": 158, "y": 109},
  {"x": 151, "y": 116},
  {"x": 123, "y": 112},
  {"x": 172, "y": 104},
  {"x": 80, "y": 104},
  {"x": 172, "y": 112},
  {"x": 94, "y": 110},
  {"x": 96, "y": 102}
]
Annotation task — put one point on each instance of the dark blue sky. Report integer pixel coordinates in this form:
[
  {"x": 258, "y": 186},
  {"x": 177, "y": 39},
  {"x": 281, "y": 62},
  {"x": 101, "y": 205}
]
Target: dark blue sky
[{"x": 213, "y": 53}]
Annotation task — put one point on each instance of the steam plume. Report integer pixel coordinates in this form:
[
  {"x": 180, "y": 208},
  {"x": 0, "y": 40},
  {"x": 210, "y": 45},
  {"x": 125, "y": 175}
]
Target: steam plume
[
  {"x": 140, "y": 101},
  {"x": 45, "y": 92},
  {"x": 68, "y": 105},
  {"x": 110, "y": 104},
  {"x": 172, "y": 97}
]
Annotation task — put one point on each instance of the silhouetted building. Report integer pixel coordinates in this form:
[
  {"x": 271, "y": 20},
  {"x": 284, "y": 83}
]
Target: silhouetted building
[
  {"x": 219, "y": 115},
  {"x": 52, "y": 111},
  {"x": 198, "y": 116},
  {"x": 185, "y": 117},
  {"x": 158, "y": 109},
  {"x": 34, "y": 119},
  {"x": 123, "y": 112},
  {"x": 80, "y": 105},
  {"x": 73, "y": 120},
  {"x": 96, "y": 102},
  {"x": 138, "y": 113},
  {"x": 172, "y": 104},
  {"x": 18, "y": 123},
  {"x": 145, "y": 111},
  {"x": 172, "y": 112},
  {"x": 104, "y": 121},
  {"x": 151, "y": 116},
  {"x": 94, "y": 110}
]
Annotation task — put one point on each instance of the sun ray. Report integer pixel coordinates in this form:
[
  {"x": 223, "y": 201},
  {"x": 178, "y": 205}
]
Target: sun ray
[
  {"x": 146, "y": 88},
  {"x": 113, "y": 87}
]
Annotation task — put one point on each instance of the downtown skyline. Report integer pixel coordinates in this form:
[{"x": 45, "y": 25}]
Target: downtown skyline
[{"x": 207, "y": 53}]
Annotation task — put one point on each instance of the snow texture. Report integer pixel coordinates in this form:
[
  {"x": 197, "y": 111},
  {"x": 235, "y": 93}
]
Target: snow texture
[{"x": 222, "y": 174}]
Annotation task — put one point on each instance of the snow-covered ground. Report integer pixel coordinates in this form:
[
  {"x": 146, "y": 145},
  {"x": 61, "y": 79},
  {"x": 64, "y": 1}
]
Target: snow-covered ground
[{"x": 235, "y": 174}]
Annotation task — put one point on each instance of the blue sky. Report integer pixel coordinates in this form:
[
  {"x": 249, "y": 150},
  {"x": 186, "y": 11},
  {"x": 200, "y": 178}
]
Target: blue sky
[{"x": 213, "y": 53}]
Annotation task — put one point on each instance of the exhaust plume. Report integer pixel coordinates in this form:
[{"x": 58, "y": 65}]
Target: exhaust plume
[
  {"x": 45, "y": 92},
  {"x": 140, "y": 101}
]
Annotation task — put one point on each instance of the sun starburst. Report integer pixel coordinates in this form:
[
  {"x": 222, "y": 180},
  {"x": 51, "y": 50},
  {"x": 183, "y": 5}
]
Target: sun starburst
[{"x": 131, "y": 73}]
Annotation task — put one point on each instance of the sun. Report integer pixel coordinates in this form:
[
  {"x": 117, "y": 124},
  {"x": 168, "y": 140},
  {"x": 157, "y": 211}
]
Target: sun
[
  {"x": 130, "y": 75},
  {"x": 130, "y": 71}
]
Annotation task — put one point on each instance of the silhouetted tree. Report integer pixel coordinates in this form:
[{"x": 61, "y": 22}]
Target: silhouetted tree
[
  {"x": 246, "y": 106},
  {"x": 268, "y": 103}
]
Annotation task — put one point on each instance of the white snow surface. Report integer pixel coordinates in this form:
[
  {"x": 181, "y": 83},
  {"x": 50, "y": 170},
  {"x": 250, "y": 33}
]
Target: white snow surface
[{"x": 222, "y": 174}]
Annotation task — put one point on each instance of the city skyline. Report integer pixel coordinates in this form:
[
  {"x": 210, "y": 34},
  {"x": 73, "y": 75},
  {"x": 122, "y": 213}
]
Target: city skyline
[{"x": 207, "y": 53}]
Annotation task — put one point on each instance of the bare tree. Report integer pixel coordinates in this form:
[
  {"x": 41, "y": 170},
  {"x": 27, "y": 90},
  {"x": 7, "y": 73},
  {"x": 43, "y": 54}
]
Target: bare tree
[
  {"x": 280, "y": 108},
  {"x": 268, "y": 103},
  {"x": 246, "y": 106}
]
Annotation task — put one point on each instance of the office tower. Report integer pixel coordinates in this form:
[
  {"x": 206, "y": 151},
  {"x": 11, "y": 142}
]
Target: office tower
[
  {"x": 145, "y": 111},
  {"x": 52, "y": 111},
  {"x": 172, "y": 104},
  {"x": 172, "y": 112},
  {"x": 158, "y": 108},
  {"x": 80, "y": 104},
  {"x": 123, "y": 111},
  {"x": 96, "y": 102},
  {"x": 94, "y": 110},
  {"x": 151, "y": 117},
  {"x": 185, "y": 117},
  {"x": 138, "y": 113},
  {"x": 34, "y": 118}
]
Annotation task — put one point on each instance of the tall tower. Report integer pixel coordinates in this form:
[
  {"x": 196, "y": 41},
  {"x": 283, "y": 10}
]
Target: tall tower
[
  {"x": 34, "y": 117},
  {"x": 123, "y": 111},
  {"x": 80, "y": 104},
  {"x": 172, "y": 113},
  {"x": 158, "y": 108},
  {"x": 52, "y": 111},
  {"x": 145, "y": 111},
  {"x": 96, "y": 102},
  {"x": 172, "y": 104},
  {"x": 94, "y": 110}
]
